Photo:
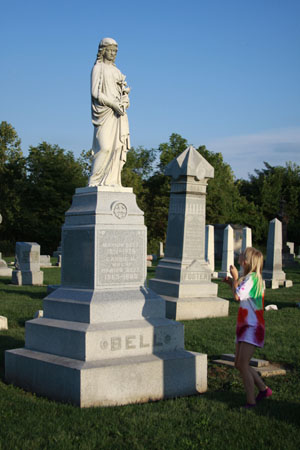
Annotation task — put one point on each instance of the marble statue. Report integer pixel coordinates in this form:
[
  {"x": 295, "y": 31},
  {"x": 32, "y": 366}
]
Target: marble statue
[{"x": 109, "y": 95}]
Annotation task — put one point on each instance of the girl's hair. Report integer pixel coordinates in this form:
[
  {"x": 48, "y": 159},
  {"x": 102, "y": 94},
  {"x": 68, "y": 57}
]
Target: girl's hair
[{"x": 253, "y": 263}]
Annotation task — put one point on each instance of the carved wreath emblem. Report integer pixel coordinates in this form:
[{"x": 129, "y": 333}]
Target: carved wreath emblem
[{"x": 119, "y": 210}]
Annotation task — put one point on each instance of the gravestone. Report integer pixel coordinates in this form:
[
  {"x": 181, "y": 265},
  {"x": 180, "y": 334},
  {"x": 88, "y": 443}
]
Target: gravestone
[
  {"x": 272, "y": 272},
  {"x": 4, "y": 270},
  {"x": 210, "y": 249},
  {"x": 45, "y": 261},
  {"x": 3, "y": 323},
  {"x": 246, "y": 242},
  {"x": 27, "y": 264},
  {"x": 219, "y": 236},
  {"x": 228, "y": 252},
  {"x": 183, "y": 277},
  {"x": 161, "y": 250}
]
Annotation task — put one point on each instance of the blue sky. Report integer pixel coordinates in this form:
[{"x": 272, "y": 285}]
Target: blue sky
[{"x": 222, "y": 73}]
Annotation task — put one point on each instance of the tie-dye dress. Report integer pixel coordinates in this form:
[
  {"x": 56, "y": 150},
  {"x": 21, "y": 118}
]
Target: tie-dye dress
[{"x": 250, "y": 322}]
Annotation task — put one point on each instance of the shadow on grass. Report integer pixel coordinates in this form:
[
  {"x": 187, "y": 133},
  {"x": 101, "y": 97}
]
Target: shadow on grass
[
  {"x": 33, "y": 295},
  {"x": 8, "y": 343},
  {"x": 284, "y": 411}
]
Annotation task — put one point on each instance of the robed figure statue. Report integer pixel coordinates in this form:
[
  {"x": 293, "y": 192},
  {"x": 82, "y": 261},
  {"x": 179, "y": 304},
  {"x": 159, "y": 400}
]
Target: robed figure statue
[{"x": 109, "y": 92}]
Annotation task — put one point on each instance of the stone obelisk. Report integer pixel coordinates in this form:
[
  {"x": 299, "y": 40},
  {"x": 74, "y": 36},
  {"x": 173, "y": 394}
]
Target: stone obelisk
[{"x": 183, "y": 277}]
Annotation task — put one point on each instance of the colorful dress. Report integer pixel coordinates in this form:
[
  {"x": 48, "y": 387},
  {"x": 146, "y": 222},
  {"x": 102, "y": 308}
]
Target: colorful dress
[{"x": 250, "y": 322}]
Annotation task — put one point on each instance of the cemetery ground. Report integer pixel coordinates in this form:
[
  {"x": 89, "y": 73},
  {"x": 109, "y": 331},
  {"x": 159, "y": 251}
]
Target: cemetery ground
[{"x": 212, "y": 420}]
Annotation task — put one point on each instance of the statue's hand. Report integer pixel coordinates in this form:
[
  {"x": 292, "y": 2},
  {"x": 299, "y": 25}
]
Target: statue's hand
[{"x": 119, "y": 109}]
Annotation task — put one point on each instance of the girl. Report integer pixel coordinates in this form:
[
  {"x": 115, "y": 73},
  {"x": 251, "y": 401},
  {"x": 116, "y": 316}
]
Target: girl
[{"x": 250, "y": 330}]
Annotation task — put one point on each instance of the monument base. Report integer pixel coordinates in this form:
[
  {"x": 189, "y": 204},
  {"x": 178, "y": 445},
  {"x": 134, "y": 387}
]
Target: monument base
[
  {"x": 135, "y": 379},
  {"x": 21, "y": 278},
  {"x": 195, "y": 308}
]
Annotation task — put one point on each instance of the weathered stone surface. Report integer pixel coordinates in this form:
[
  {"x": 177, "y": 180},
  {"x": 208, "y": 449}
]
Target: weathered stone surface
[
  {"x": 4, "y": 270},
  {"x": 253, "y": 361},
  {"x": 3, "y": 323},
  {"x": 246, "y": 242},
  {"x": 45, "y": 261},
  {"x": 183, "y": 273},
  {"x": 273, "y": 272},
  {"x": 27, "y": 264},
  {"x": 195, "y": 308},
  {"x": 117, "y": 381},
  {"x": 228, "y": 252},
  {"x": 210, "y": 247}
]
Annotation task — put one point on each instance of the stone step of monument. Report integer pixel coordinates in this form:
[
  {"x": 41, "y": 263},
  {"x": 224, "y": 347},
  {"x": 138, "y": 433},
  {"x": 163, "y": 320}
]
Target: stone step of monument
[
  {"x": 265, "y": 371},
  {"x": 184, "y": 289},
  {"x": 89, "y": 342},
  {"x": 79, "y": 305},
  {"x": 107, "y": 382},
  {"x": 253, "y": 362}
]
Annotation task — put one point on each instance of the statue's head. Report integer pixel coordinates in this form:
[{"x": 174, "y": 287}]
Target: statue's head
[{"x": 107, "y": 49}]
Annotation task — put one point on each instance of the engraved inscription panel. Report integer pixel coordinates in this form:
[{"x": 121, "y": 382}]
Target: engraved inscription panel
[{"x": 121, "y": 257}]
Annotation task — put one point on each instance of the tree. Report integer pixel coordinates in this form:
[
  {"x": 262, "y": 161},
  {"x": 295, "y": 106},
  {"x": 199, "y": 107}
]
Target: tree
[
  {"x": 12, "y": 179},
  {"x": 276, "y": 191},
  {"x": 53, "y": 174}
]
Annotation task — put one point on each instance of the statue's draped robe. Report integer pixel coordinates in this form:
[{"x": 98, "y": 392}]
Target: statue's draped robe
[{"x": 111, "y": 131}]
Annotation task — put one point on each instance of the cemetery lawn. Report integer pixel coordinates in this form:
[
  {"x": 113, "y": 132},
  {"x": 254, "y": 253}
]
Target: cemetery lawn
[{"x": 212, "y": 420}]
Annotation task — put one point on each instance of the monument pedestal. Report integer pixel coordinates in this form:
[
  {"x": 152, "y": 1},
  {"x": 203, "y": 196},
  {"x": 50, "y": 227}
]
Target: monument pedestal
[
  {"x": 104, "y": 339},
  {"x": 183, "y": 277}
]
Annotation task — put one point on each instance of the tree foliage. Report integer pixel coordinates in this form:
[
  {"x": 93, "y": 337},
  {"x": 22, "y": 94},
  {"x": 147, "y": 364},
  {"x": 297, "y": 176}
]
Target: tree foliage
[
  {"x": 12, "y": 177},
  {"x": 36, "y": 191},
  {"x": 276, "y": 191}
]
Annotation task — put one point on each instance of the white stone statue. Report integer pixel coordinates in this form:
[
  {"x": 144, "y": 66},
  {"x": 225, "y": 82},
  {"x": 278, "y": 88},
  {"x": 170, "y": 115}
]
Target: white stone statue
[{"x": 109, "y": 92}]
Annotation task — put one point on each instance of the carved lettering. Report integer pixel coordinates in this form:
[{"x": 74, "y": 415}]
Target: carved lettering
[
  {"x": 128, "y": 342},
  {"x": 142, "y": 345},
  {"x": 115, "y": 343}
]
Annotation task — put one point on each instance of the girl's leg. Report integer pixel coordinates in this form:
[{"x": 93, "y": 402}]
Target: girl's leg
[
  {"x": 245, "y": 353},
  {"x": 257, "y": 380}
]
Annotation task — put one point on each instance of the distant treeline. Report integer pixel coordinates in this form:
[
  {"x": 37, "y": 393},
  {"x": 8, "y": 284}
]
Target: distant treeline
[{"x": 36, "y": 191}]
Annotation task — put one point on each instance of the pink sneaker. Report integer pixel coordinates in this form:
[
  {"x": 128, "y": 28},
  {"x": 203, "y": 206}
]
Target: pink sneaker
[{"x": 264, "y": 394}]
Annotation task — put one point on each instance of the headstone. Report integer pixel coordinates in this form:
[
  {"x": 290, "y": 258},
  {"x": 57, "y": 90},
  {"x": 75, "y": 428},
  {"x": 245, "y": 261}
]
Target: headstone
[
  {"x": 104, "y": 339},
  {"x": 149, "y": 260},
  {"x": 183, "y": 277},
  {"x": 291, "y": 246},
  {"x": 161, "y": 250},
  {"x": 272, "y": 272},
  {"x": 210, "y": 249},
  {"x": 228, "y": 252},
  {"x": 3, "y": 323},
  {"x": 219, "y": 235},
  {"x": 27, "y": 264},
  {"x": 4, "y": 270},
  {"x": 45, "y": 261},
  {"x": 246, "y": 242}
]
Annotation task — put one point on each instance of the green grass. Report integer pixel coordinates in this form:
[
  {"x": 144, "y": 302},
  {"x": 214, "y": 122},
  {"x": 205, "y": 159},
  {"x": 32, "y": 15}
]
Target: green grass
[{"x": 212, "y": 420}]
